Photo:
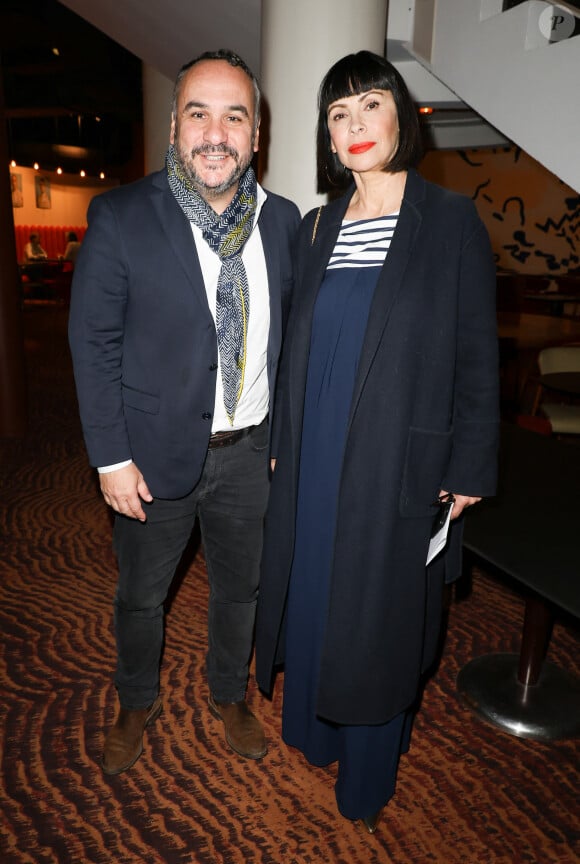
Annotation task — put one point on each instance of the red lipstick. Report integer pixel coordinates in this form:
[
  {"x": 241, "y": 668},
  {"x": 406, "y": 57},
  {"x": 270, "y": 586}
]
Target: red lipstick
[{"x": 362, "y": 147}]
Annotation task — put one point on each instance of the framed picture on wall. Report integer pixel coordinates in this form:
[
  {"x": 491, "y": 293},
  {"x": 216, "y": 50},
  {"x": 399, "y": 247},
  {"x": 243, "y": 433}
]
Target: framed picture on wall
[
  {"x": 16, "y": 184},
  {"x": 42, "y": 189}
]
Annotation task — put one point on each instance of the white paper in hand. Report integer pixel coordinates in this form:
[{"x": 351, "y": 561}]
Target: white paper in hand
[{"x": 439, "y": 536}]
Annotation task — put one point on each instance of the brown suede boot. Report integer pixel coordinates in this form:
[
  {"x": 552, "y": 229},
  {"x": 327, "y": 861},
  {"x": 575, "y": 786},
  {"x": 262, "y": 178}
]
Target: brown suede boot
[
  {"x": 124, "y": 743},
  {"x": 244, "y": 733}
]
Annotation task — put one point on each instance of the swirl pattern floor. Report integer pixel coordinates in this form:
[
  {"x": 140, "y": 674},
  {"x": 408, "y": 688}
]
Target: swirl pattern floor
[{"x": 467, "y": 793}]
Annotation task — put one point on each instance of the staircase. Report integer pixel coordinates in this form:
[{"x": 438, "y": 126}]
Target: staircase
[{"x": 517, "y": 64}]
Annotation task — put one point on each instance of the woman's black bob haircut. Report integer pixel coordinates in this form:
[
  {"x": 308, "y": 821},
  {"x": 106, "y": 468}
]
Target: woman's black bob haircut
[{"x": 355, "y": 74}]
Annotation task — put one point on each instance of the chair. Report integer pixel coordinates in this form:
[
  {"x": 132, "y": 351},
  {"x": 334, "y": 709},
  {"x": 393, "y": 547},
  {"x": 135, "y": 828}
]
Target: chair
[{"x": 564, "y": 417}]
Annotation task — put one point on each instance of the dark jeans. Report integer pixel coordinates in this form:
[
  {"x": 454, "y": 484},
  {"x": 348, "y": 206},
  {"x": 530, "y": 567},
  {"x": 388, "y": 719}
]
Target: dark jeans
[{"x": 230, "y": 502}]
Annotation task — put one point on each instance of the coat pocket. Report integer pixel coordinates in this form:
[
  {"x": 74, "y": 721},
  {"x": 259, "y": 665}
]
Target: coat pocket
[
  {"x": 147, "y": 402},
  {"x": 426, "y": 461}
]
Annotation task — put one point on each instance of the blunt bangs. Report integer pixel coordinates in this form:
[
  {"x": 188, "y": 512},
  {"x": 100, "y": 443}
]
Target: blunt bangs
[{"x": 350, "y": 76}]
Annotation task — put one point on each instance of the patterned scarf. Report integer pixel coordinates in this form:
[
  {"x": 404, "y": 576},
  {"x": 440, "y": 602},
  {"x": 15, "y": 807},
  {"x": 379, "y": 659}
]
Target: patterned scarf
[{"x": 226, "y": 234}]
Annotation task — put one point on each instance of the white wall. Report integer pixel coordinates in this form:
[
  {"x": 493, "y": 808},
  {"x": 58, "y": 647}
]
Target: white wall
[{"x": 157, "y": 101}]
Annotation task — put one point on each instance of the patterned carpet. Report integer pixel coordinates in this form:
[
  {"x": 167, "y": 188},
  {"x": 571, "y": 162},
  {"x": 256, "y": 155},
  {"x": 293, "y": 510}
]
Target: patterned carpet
[{"x": 467, "y": 792}]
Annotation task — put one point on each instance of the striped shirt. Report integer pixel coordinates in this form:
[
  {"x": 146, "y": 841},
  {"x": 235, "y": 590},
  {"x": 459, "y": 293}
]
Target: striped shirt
[{"x": 363, "y": 243}]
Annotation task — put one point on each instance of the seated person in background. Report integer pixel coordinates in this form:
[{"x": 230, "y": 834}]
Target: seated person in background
[
  {"x": 72, "y": 247},
  {"x": 33, "y": 251}
]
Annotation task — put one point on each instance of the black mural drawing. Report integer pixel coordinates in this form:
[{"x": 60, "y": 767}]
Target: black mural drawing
[{"x": 553, "y": 242}]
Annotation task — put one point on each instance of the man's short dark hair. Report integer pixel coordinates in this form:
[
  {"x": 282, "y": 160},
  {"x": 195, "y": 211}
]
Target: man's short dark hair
[
  {"x": 355, "y": 74},
  {"x": 233, "y": 60}
]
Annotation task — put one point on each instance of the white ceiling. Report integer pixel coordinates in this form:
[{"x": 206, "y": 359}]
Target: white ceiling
[{"x": 165, "y": 34}]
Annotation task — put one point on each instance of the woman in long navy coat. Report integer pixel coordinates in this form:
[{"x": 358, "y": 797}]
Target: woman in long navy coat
[{"x": 387, "y": 400}]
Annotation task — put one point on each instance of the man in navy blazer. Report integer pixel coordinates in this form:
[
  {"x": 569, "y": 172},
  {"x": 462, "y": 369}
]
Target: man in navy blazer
[{"x": 178, "y": 305}]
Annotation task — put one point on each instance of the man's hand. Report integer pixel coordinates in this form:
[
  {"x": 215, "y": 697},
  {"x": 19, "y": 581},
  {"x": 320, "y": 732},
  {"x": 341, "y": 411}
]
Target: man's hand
[{"x": 124, "y": 489}]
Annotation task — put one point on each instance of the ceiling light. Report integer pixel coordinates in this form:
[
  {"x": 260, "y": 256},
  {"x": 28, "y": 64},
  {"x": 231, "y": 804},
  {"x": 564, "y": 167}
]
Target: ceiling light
[{"x": 83, "y": 174}]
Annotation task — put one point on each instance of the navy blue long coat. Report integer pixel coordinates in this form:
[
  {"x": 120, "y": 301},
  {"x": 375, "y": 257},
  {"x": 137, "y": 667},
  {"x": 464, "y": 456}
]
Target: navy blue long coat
[{"x": 423, "y": 416}]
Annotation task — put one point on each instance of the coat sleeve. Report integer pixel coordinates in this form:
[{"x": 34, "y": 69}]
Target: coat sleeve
[
  {"x": 96, "y": 328},
  {"x": 472, "y": 467},
  {"x": 302, "y": 242}
]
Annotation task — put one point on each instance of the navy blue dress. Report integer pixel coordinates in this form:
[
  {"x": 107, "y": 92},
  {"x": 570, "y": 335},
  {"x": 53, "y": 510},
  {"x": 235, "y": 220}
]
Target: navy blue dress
[{"x": 367, "y": 756}]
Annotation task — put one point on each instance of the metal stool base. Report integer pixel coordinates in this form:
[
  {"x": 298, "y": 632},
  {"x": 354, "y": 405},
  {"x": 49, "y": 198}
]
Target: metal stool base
[{"x": 547, "y": 711}]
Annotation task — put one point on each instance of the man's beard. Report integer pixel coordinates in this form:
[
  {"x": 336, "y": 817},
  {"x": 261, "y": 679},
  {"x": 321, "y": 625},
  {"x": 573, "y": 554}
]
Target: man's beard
[{"x": 211, "y": 193}]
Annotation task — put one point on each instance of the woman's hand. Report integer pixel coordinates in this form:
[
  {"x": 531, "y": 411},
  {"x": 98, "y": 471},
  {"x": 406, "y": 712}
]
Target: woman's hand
[{"x": 461, "y": 502}]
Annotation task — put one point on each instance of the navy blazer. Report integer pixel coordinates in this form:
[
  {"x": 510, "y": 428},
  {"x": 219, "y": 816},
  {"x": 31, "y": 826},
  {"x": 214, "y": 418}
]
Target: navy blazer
[{"x": 142, "y": 335}]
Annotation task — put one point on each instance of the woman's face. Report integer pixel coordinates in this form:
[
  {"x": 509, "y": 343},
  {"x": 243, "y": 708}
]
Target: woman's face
[{"x": 364, "y": 130}]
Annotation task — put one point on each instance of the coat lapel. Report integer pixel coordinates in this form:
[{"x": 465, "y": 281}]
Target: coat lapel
[
  {"x": 390, "y": 279},
  {"x": 177, "y": 229},
  {"x": 270, "y": 246}
]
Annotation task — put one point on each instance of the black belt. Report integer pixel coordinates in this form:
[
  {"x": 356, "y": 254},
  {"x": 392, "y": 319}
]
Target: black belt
[{"x": 225, "y": 439}]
